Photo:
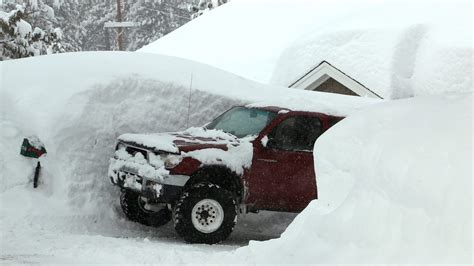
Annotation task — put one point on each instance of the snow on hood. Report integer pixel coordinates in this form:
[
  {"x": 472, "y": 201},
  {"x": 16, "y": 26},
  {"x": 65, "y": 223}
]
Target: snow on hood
[
  {"x": 215, "y": 148},
  {"x": 235, "y": 157},
  {"x": 171, "y": 142},
  {"x": 157, "y": 142}
]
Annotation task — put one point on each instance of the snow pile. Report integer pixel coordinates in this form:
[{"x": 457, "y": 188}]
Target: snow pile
[
  {"x": 78, "y": 104},
  {"x": 243, "y": 37},
  {"x": 78, "y": 109},
  {"x": 394, "y": 180},
  {"x": 405, "y": 56},
  {"x": 395, "y": 186},
  {"x": 411, "y": 48}
]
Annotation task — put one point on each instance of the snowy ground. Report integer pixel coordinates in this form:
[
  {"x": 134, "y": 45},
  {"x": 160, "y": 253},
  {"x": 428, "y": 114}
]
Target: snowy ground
[{"x": 61, "y": 236}]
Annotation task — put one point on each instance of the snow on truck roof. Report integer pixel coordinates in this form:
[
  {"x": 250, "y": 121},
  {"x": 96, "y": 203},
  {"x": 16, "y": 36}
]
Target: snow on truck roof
[
  {"x": 319, "y": 102},
  {"x": 396, "y": 49}
]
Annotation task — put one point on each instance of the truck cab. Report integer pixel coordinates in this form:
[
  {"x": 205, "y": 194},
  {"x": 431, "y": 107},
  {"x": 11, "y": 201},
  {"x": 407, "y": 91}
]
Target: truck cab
[{"x": 248, "y": 159}]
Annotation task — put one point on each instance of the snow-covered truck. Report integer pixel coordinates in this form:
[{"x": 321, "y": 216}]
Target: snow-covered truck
[{"x": 248, "y": 159}]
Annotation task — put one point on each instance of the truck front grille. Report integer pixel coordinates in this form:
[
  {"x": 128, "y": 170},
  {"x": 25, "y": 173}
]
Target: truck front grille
[{"x": 133, "y": 151}]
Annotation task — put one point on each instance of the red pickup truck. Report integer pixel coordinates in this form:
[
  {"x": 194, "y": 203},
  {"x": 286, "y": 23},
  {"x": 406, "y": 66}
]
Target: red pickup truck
[{"x": 248, "y": 159}]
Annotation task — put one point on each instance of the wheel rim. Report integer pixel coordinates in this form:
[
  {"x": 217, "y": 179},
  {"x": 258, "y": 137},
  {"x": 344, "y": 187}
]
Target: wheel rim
[
  {"x": 207, "y": 216},
  {"x": 149, "y": 208},
  {"x": 141, "y": 204}
]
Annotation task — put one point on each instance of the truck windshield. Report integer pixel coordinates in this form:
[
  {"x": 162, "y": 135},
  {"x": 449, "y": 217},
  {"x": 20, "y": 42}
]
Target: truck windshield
[{"x": 242, "y": 121}]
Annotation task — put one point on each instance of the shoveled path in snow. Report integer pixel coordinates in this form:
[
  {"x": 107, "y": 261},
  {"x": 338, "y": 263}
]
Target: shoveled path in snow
[{"x": 84, "y": 240}]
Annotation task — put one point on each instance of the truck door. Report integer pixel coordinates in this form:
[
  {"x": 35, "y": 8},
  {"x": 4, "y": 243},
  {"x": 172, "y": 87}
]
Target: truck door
[{"x": 282, "y": 175}]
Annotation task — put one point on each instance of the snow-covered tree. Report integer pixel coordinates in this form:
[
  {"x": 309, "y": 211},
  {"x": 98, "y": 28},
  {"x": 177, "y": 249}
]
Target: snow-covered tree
[
  {"x": 82, "y": 21},
  {"x": 202, "y": 6},
  {"x": 156, "y": 19},
  {"x": 18, "y": 39},
  {"x": 68, "y": 17}
]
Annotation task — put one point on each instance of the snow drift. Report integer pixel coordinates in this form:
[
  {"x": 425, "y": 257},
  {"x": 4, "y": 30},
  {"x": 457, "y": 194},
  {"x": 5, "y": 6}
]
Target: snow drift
[
  {"x": 78, "y": 109},
  {"x": 78, "y": 104},
  {"x": 401, "y": 193},
  {"x": 394, "y": 48},
  {"x": 395, "y": 183}
]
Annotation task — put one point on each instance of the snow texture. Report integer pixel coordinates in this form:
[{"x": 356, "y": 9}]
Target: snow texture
[
  {"x": 157, "y": 142},
  {"x": 394, "y": 179},
  {"x": 166, "y": 141},
  {"x": 395, "y": 186},
  {"x": 214, "y": 134},
  {"x": 363, "y": 39},
  {"x": 237, "y": 157},
  {"x": 35, "y": 142},
  {"x": 78, "y": 104},
  {"x": 137, "y": 165}
]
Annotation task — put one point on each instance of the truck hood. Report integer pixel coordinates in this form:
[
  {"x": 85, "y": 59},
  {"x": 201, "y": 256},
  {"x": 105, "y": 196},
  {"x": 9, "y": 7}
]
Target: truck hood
[{"x": 184, "y": 141}]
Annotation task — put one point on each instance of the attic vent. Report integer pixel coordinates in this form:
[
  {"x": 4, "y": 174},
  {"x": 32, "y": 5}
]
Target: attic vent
[
  {"x": 326, "y": 78},
  {"x": 331, "y": 85}
]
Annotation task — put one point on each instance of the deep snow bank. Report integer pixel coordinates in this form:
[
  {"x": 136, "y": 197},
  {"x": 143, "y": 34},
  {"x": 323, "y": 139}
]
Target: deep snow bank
[
  {"x": 394, "y": 180},
  {"x": 420, "y": 54},
  {"x": 398, "y": 49},
  {"x": 395, "y": 186},
  {"x": 78, "y": 104}
]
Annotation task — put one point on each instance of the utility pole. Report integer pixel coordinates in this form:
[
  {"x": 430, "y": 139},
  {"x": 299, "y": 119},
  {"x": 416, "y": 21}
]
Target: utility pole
[{"x": 119, "y": 29}]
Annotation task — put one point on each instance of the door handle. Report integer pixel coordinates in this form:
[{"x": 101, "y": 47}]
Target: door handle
[{"x": 268, "y": 160}]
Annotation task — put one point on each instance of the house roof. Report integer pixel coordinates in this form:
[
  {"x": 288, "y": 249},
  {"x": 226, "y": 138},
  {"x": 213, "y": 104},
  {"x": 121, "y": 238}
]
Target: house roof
[
  {"x": 395, "y": 49},
  {"x": 322, "y": 72}
]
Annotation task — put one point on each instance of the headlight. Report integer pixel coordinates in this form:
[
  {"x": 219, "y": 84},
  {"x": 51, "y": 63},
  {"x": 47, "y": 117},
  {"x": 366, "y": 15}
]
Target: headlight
[
  {"x": 172, "y": 161},
  {"x": 120, "y": 146}
]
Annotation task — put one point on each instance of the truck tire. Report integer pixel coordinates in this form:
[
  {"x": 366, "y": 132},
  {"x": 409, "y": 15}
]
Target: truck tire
[
  {"x": 206, "y": 213},
  {"x": 133, "y": 206}
]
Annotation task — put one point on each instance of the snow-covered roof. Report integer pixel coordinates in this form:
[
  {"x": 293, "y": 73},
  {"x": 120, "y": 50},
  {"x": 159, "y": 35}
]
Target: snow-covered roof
[{"x": 396, "y": 49}]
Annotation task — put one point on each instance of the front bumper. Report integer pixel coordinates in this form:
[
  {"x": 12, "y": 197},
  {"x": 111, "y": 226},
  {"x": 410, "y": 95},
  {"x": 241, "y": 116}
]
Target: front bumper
[{"x": 166, "y": 190}]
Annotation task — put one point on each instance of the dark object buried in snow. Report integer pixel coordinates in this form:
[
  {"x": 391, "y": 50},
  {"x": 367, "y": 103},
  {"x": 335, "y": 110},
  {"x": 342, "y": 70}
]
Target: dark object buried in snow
[
  {"x": 32, "y": 147},
  {"x": 248, "y": 159}
]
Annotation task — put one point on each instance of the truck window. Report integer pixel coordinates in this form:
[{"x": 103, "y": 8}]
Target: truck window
[
  {"x": 296, "y": 133},
  {"x": 242, "y": 121}
]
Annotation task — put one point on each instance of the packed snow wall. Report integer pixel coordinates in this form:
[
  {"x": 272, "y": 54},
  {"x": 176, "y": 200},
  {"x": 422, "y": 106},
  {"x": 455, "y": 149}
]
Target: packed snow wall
[
  {"x": 125, "y": 106},
  {"x": 395, "y": 186},
  {"x": 395, "y": 180},
  {"x": 78, "y": 109},
  {"x": 78, "y": 104},
  {"x": 74, "y": 175}
]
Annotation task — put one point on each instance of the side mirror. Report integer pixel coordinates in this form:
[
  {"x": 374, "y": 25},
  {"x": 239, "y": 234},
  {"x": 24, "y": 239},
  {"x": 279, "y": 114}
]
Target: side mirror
[{"x": 268, "y": 142}]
